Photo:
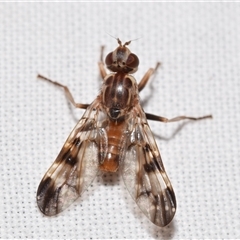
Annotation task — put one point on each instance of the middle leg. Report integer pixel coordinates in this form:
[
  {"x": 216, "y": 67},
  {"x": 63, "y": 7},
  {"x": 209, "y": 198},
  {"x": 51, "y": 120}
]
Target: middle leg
[
  {"x": 176, "y": 119},
  {"x": 66, "y": 91}
]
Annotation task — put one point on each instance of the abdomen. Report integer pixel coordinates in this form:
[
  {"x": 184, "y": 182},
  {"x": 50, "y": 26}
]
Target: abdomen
[{"x": 115, "y": 149}]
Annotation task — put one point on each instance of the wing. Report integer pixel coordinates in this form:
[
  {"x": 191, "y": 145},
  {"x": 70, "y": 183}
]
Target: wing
[
  {"x": 144, "y": 174},
  {"x": 75, "y": 167}
]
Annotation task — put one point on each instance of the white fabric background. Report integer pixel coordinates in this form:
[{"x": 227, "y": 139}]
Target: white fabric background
[{"x": 199, "y": 47}]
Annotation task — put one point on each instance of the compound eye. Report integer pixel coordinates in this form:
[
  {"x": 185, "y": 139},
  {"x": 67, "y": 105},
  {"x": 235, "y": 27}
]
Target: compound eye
[
  {"x": 109, "y": 59},
  {"x": 132, "y": 61}
]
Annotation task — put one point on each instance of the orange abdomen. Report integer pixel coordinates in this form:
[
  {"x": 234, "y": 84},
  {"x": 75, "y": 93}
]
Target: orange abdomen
[{"x": 115, "y": 136}]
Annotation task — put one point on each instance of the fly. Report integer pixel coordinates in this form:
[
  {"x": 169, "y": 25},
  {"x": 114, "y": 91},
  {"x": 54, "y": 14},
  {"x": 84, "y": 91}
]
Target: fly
[{"x": 113, "y": 134}]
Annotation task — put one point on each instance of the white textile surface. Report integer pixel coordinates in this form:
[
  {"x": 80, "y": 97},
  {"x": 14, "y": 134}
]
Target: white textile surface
[{"x": 198, "y": 45}]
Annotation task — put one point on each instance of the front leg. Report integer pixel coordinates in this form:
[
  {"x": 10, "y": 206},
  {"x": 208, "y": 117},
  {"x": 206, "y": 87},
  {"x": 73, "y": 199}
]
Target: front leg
[
  {"x": 147, "y": 76},
  {"x": 101, "y": 66}
]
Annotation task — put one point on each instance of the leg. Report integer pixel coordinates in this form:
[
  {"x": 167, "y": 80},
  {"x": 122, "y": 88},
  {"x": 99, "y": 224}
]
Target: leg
[
  {"x": 147, "y": 76},
  {"x": 66, "y": 91},
  {"x": 101, "y": 65},
  {"x": 179, "y": 118}
]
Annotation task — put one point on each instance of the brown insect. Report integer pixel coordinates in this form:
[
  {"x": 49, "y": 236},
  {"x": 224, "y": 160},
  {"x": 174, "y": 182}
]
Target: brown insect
[{"x": 112, "y": 134}]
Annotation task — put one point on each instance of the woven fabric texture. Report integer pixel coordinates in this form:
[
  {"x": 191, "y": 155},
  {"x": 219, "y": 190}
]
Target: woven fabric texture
[{"x": 198, "y": 45}]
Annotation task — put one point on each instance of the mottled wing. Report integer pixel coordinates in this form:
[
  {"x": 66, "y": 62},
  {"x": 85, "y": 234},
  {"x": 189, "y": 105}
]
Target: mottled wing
[
  {"x": 144, "y": 174},
  {"x": 74, "y": 168}
]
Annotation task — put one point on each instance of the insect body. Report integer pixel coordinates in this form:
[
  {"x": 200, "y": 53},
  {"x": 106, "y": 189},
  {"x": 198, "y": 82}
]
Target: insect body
[{"x": 112, "y": 134}]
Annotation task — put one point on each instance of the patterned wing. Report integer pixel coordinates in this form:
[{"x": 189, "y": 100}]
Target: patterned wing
[
  {"x": 144, "y": 174},
  {"x": 75, "y": 167}
]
